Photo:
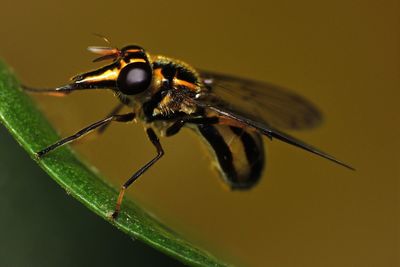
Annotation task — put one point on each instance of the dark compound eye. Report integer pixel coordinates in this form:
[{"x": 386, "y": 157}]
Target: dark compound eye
[{"x": 134, "y": 78}]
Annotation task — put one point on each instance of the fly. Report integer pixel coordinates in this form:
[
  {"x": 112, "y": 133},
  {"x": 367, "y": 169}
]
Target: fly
[{"x": 230, "y": 114}]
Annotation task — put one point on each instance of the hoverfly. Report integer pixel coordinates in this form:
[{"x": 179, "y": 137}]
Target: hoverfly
[{"x": 231, "y": 114}]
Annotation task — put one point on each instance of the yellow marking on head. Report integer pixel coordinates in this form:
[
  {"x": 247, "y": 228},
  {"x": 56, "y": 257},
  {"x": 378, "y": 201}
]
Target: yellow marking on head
[
  {"x": 133, "y": 50},
  {"x": 134, "y": 60},
  {"x": 107, "y": 75}
]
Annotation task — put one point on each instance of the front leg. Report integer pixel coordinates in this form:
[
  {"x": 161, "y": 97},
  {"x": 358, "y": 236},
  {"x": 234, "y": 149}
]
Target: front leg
[
  {"x": 160, "y": 152},
  {"x": 114, "y": 111},
  {"x": 119, "y": 118}
]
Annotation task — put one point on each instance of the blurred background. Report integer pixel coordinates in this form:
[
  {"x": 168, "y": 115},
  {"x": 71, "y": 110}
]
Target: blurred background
[{"x": 306, "y": 211}]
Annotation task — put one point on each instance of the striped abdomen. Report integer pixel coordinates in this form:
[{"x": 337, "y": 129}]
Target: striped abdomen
[{"x": 239, "y": 154}]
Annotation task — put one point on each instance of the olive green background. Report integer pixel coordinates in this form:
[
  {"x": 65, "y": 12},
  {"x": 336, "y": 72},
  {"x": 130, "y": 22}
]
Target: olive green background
[{"x": 342, "y": 55}]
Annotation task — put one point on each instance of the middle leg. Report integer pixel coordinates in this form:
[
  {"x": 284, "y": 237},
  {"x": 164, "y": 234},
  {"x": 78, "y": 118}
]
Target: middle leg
[{"x": 160, "y": 152}]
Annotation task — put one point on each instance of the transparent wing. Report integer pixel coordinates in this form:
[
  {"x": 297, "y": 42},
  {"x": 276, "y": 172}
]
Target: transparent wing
[
  {"x": 267, "y": 103},
  {"x": 267, "y": 130}
]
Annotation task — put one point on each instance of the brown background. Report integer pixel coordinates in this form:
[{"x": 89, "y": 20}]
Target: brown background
[{"x": 342, "y": 55}]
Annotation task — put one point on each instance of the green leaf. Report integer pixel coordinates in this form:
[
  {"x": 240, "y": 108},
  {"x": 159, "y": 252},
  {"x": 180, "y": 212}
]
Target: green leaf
[{"x": 33, "y": 132}]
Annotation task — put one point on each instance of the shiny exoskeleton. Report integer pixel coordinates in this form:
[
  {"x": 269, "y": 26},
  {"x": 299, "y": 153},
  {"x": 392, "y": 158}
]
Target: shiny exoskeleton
[{"x": 230, "y": 114}]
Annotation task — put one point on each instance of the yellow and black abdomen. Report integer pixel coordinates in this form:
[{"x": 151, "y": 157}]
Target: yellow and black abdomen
[{"x": 239, "y": 153}]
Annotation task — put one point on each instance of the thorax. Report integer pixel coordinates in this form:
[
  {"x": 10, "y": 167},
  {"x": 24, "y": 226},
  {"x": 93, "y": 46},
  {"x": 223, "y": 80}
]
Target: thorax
[{"x": 174, "y": 84}]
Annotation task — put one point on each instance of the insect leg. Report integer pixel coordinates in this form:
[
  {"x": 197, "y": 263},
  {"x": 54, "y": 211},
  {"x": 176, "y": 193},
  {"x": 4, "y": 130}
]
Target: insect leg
[
  {"x": 160, "y": 152},
  {"x": 119, "y": 118},
  {"x": 175, "y": 128},
  {"x": 104, "y": 127},
  {"x": 114, "y": 111}
]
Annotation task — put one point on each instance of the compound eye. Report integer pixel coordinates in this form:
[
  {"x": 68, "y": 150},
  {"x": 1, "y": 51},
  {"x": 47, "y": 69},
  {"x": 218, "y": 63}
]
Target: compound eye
[{"x": 134, "y": 78}]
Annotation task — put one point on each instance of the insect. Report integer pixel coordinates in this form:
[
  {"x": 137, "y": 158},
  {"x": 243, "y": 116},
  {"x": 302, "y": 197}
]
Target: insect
[{"x": 230, "y": 114}]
